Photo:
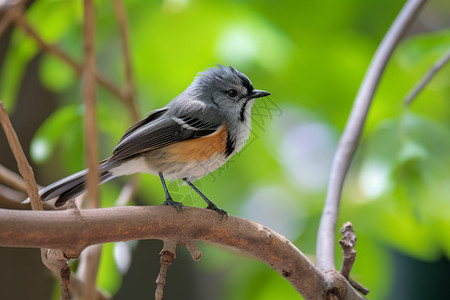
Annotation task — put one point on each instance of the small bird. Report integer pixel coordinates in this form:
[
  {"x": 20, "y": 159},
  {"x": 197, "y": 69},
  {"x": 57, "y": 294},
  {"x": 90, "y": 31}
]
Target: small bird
[{"x": 190, "y": 137}]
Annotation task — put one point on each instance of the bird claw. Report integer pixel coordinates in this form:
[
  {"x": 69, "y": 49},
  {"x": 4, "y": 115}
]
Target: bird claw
[
  {"x": 178, "y": 205},
  {"x": 222, "y": 212}
]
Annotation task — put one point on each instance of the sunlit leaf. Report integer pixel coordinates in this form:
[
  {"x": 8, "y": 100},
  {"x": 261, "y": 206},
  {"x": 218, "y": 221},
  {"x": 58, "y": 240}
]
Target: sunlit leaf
[
  {"x": 55, "y": 74},
  {"x": 22, "y": 50}
]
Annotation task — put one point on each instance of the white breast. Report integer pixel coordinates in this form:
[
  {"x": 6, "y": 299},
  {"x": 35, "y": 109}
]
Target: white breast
[{"x": 244, "y": 128}]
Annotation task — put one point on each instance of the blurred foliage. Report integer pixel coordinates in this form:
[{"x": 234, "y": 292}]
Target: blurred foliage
[{"x": 312, "y": 57}]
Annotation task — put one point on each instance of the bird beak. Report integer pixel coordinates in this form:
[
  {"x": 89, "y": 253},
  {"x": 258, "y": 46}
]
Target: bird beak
[{"x": 259, "y": 94}]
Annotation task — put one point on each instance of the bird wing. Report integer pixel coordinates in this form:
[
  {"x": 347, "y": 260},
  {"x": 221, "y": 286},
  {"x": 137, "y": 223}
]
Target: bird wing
[{"x": 160, "y": 129}]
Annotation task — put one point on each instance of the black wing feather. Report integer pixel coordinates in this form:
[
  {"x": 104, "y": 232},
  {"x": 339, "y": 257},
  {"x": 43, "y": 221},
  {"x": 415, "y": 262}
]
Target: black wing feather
[
  {"x": 158, "y": 133},
  {"x": 151, "y": 117}
]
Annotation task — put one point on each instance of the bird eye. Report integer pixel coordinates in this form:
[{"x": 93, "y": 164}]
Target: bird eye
[{"x": 232, "y": 93}]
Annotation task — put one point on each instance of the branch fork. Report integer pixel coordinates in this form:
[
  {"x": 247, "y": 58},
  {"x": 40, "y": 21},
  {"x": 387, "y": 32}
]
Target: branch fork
[{"x": 168, "y": 254}]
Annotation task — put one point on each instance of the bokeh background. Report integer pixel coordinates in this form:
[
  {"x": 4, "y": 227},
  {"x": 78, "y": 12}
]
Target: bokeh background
[{"x": 312, "y": 56}]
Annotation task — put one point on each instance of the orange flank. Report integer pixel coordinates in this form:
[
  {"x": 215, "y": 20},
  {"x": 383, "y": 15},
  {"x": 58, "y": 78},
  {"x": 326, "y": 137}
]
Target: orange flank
[{"x": 199, "y": 149}]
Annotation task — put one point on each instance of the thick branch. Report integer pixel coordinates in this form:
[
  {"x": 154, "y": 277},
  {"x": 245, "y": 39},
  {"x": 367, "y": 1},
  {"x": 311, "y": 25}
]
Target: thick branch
[
  {"x": 79, "y": 229},
  {"x": 326, "y": 238}
]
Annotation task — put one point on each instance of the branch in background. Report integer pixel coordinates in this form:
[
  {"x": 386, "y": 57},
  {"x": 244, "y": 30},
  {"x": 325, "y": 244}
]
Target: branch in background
[
  {"x": 426, "y": 78},
  {"x": 88, "y": 269},
  {"x": 128, "y": 190},
  {"x": 325, "y": 248},
  {"x": 129, "y": 89},
  {"x": 13, "y": 180},
  {"x": 77, "y": 286},
  {"x": 13, "y": 198},
  {"x": 89, "y": 97},
  {"x": 22, "y": 163},
  {"x": 90, "y": 259},
  {"x": 68, "y": 229},
  {"x": 5, "y": 21},
  {"x": 10, "y": 197},
  {"x": 22, "y": 23}
]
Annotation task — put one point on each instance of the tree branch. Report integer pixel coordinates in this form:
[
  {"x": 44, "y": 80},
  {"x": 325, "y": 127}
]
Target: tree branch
[
  {"x": 129, "y": 89},
  {"x": 22, "y": 23},
  {"x": 22, "y": 163},
  {"x": 347, "y": 243},
  {"x": 75, "y": 230},
  {"x": 427, "y": 77},
  {"x": 5, "y": 21},
  {"x": 89, "y": 90},
  {"x": 326, "y": 238},
  {"x": 13, "y": 180},
  {"x": 90, "y": 258}
]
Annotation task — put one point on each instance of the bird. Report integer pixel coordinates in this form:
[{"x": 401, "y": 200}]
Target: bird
[{"x": 192, "y": 136}]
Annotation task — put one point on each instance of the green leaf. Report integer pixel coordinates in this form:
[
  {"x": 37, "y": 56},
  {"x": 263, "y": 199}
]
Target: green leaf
[
  {"x": 60, "y": 125},
  {"x": 414, "y": 151},
  {"x": 21, "y": 50},
  {"x": 55, "y": 74}
]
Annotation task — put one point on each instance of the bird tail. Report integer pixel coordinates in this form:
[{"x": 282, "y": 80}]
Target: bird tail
[{"x": 73, "y": 185}]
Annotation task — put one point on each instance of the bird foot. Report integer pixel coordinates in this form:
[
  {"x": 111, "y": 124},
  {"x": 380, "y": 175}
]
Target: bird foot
[
  {"x": 222, "y": 212},
  {"x": 178, "y": 205}
]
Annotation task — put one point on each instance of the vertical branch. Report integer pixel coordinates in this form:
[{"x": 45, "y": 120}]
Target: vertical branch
[
  {"x": 92, "y": 254},
  {"x": 129, "y": 89},
  {"x": 350, "y": 137},
  {"x": 88, "y": 269},
  {"x": 128, "y": 92},
  {"x": 22, "y": 163},
  {"x": 89, "y": 86}
]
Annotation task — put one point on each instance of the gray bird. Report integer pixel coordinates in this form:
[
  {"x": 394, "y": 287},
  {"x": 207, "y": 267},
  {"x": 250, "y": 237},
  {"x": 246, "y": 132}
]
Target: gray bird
[{"x": 190, "y": 137}]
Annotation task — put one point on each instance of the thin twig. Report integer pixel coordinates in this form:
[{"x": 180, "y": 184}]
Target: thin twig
[
  {"x": 65, "y": 282},
  {"x": 426, "y": 78},
  {"x": 88, "y": 269},
  {"x": 92, "y": 254},
  {"x": 129, "y": 89},
  {"x": 24, "y": 166},
  {"x": 13, "y": 180},
  {"x": 5, "y": 22},
  {"x": 89, "y": 90},
  {"x": 56, "y": 261},
  {"x": 168, "y": 254},
  {"x": 347, "y": 243},
  {"x": 22, "y": 23},
  {"x": 359, "y": 287},
  {"x": 77, "y": 287},
  {"x": 128, "y": 92},
  {"x": 10, "y": 197},
  {"x": 13, "y": 199},
  {"x": 128, "y": 191},
  {"x": 350, "y": 137}
]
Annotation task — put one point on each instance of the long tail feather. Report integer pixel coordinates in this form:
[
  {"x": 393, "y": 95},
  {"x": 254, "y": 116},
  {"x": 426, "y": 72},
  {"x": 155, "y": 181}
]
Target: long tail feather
[{"x": 73, "y": 185}]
